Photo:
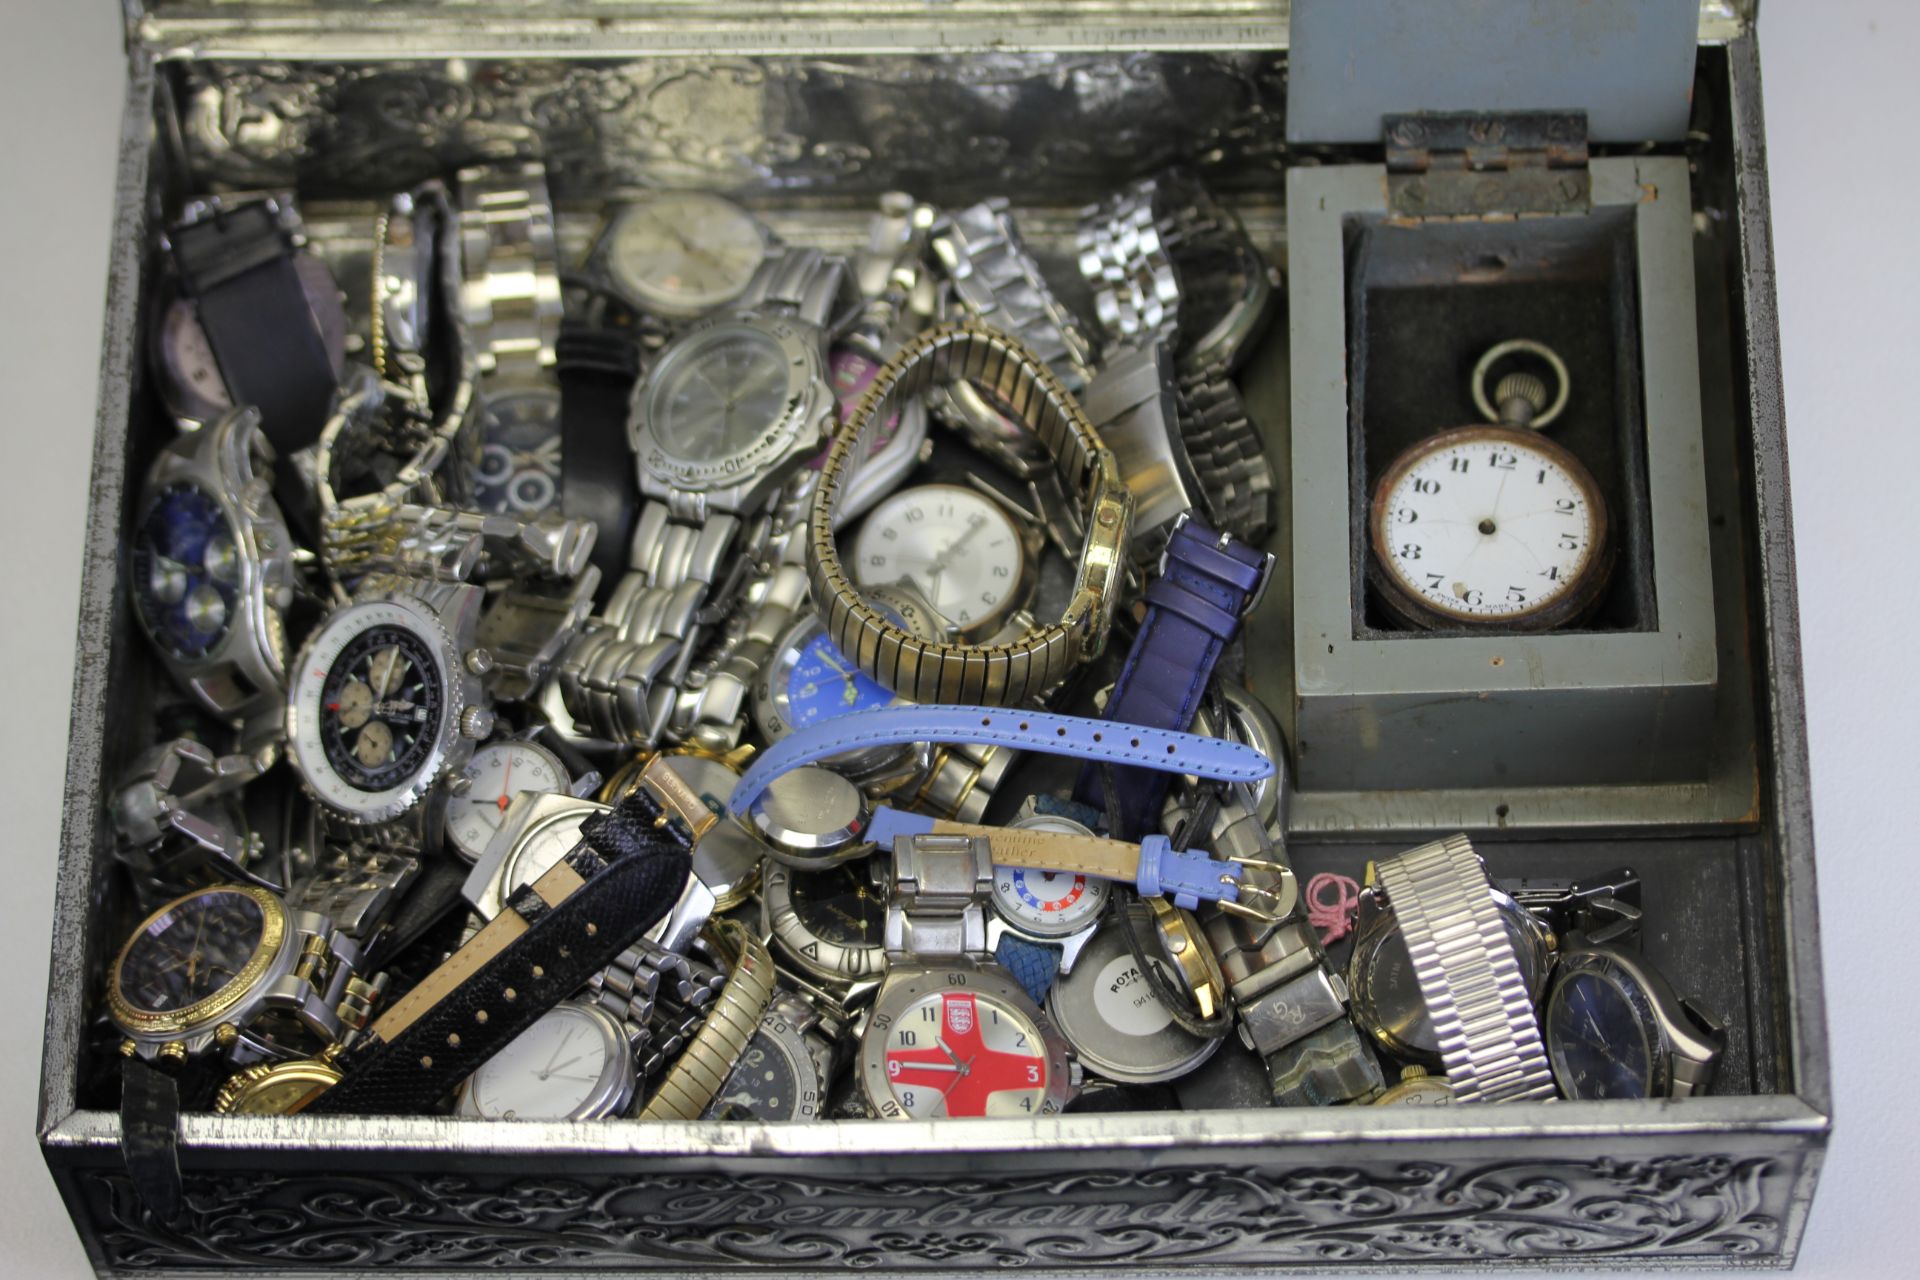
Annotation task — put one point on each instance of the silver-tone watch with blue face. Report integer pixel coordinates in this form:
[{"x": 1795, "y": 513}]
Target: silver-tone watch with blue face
[{"x": 211, "y": 568}]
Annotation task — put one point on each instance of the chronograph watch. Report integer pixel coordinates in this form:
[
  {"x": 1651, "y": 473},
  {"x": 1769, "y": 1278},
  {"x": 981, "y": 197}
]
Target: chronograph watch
[{"x": 1493, "y": 527}]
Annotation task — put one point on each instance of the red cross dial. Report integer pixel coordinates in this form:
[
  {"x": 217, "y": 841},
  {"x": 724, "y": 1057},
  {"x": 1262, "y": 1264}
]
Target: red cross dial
[{"x": 958, "y": 1065}]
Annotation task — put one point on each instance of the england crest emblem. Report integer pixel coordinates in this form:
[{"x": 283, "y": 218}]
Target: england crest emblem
[{"x": 959, "y": 1015}]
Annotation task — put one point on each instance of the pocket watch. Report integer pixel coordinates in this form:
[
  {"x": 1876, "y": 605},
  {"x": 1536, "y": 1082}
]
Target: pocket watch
[
  {"x": 575, "y": 1063},
  {"x": 1616, "y": 1029},
  {"x": 958, "y": 546},
  {"x": 497, "y": 773},
  {"x": 1494, "y": 526},
  {"x": 678, "y": 254}
]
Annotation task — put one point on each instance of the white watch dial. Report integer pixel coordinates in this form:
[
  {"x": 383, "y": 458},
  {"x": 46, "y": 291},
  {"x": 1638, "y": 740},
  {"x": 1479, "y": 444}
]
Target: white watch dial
[
  {"x": 959, "y": 548},
  {"x": 551, "y": 1071},
  {"x": 684, "y": 252},
  {"x": 496, "y": 774},
  {"x": 539, "y": 851},
  {"x": 965, "y": 1053},
  {"x": 1484, "y": 525},
  {"x": 1052, "y": 904}
]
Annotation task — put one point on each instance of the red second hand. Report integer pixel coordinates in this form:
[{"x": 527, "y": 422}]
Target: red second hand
[{"x": 506, "y": 784}]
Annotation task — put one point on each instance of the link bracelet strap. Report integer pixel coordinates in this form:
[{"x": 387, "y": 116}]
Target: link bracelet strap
[{"x": 1469, "y": 976}]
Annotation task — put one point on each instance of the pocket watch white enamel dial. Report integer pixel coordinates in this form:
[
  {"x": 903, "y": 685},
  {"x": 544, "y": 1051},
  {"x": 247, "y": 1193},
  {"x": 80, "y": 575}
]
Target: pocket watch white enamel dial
[
  {"x": 1495, "y": 526},
  {"x": 962, "y": 551},
  {"x": 679, "y": 253},
  {"x": 497, "y": 773}
]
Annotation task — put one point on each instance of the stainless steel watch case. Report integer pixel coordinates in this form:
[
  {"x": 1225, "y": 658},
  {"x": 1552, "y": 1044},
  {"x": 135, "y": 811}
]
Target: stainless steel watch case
[
  {"x": 823, "y": 958},
  {"x": 1684, "y": 1039},
  {"x": 603, "y": 266},
  {"x": 230, "y": 460},
  {"x": 612, "y": 1094}
]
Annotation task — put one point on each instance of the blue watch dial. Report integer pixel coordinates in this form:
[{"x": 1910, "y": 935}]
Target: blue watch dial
[
  {"x": 1596, "y": 1039},
  {"x": 823, "y": 684},
  {"x": 185, "y": 571}
]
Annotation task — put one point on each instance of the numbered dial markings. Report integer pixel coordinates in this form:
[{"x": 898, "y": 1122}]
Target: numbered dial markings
[
  {"x": 1490, "y": 526},
  {"x": 965, "y": 1053},
  {"x": 683, "y": 253},
  {"x": 959, "y": 548},
  {"x": 774, "y": 1081},
  {"x": 495, "y": 775},
  {"x": 380, "y": 707},
  {"x": 1048, "y": 902},
  {"x": 185, "y": 571}
]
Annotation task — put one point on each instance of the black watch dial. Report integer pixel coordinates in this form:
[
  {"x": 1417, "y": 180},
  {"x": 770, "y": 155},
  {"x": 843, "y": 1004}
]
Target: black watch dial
[
  {"x": 1596, "y": 1039},
  {"x": 191, "y": 952},
  {"x": 380, "y": 708},
  {"x": 185, "y": 571},
  {"x": 764, "y": 1085},
  {"x": 519, "y": 469},
  {"x": 840, "y": 905}
]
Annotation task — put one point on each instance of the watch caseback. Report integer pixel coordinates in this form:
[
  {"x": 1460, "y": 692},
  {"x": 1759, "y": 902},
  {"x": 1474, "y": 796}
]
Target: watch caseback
[{"x": 1112, "y": 1017}]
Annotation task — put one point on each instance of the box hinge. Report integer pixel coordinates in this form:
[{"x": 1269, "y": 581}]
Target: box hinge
[{"x": 1463, "y": 164}]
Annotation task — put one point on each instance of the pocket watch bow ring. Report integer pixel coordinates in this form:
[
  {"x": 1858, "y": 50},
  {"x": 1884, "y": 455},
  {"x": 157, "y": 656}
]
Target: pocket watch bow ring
[{"x": 989, "y": 674}]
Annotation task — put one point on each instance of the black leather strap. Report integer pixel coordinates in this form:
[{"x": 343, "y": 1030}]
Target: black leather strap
[
  {"x": 634, "y": 864},
  {"x": 597, "y": 368},
  {"x": 149, "y": 1126},
  {"x": 237, "y": 266}
]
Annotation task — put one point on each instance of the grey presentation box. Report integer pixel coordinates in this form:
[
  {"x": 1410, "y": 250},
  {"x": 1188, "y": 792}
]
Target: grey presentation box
[{"x": 809, "y": 111}]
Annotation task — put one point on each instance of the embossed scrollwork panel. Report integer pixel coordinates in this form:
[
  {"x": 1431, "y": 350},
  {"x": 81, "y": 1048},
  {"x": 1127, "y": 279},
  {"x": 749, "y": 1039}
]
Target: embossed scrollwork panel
[
  {"x": 1059, "y": 126},
  {"x": 1398, "y": 1213}
]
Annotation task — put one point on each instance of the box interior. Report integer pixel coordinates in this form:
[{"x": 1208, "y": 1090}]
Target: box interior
[{"x": 808, "y": 142}]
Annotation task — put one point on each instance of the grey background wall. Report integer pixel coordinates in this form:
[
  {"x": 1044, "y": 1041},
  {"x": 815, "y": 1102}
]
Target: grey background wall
[{"x": 1840, "y": 82}]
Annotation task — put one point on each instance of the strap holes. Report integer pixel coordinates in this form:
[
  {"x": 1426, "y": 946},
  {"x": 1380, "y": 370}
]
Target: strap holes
[
  {"x": 453, "y": 1041},
  {"x": 1023, "y": 726},
  {"x": 986, "y": 722},
  {"x": 1171, "y": 748},
  {"x": 1096, "y": 737},
  {"x": 539, "y": 972},
  {"x": 480, "y": 1016},
  {"x": 1136, "y": 742},
  {"x": 511, "y": 995},
  {"x": 426, "y": 1061},
  {"x": 1061, "y": 731}
]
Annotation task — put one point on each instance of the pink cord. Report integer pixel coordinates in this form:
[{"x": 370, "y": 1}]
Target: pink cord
[{"x": 1333, "y": 920}]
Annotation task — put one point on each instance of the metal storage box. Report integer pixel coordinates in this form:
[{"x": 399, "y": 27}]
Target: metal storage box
[{"x": 806, "y": 111}]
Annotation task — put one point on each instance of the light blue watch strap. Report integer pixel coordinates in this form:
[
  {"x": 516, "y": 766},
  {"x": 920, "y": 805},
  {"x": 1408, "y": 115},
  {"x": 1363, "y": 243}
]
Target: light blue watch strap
[
  {"x": 1042, "y": 731},
  {"x": 1034, "y": 965}
]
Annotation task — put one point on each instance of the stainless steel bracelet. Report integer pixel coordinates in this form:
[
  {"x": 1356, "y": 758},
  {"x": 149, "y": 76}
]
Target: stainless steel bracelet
[
  {"x": 1133, "y": 402},
  {"x": 938, "y": 908},
  {"x": 1126, "y": 246},
  {"x": 510, "y": 297},
  {"x": 698, "y": 1070},
  {"x": 322, "y": 991},
  {"x": 634, "y": 988},
  {"x": 799, "y": 282},
  {"x": 1474, "y": 990},
  {"x": 1228, "y": 457},
  {"x": 356, "y": 885},
  {"x": 961, "y": 781},
  {"x": 997, "y": 281}
]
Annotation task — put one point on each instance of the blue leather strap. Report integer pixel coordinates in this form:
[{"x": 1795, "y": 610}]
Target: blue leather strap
[
  {"x": 1146, "y": 749},
  {"x": 1034, "y": 965},
  {"x": 1207, "y": 582}
]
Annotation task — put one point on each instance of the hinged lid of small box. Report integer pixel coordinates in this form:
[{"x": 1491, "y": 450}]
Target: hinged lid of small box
[{"x": 1627, "y": 64}]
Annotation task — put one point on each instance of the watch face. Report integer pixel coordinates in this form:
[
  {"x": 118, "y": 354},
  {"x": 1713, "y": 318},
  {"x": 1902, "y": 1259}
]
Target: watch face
[
  {"x": 540, "y": 850},
  {"x": 1596, "y": 1039},
  {"x": 965, "y": 1053},
  {"x": 186, "y": 570},
  {"x": 822, "y": 684},
  {"x": 774, "y": 1081},
  {"x": 195, "y": 386},
  {"x": 519, "y": 468},
  {"x": 840, "y": 905},
  {"x": 1049, "y": 903},
  {"x": 956, "y": 546},
  {"x": 683, "y": 252},
  {"x": 496, "y": 774},
  {"x": 1490, "y": 526},
  {"x": 723, "y": 396},
  {"x": 369, "y": 708},
  {"x": 192, "y": 951},
  {"x": 564, "y": 1067}
]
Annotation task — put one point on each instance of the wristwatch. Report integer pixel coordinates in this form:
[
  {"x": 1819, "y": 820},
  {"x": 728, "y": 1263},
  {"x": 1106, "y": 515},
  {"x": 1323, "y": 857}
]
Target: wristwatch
[
  {"x": 1227, "y": 456},
  {"x": 1238, "y": 829},
  {"x": 1474, "y": 988},
  {"x": 997, "y": 284},
  {"x": 1389, "y": 1000},
  {"x": 829, "y": 922},
  {"x": 1020, "y": 669},
  {"x": 232, "y": 969},
  {"x": 1616, "y": 1029},
  {"x": 679, "y": 254},
  {"x": 492, "y": 779},
  {"x": 1043, "y": 919},
  {"x": 552, "y": 937},
  {"x": 1134, "y": 403},
  {"x": 727, "y": 859},
  {"x": 692, "y": 1080},
  {"x": 967, "y": 553},
  {"x": 210, "y": 567},
  {"x": 1417, "y": 1089},
  {"x": 951, "y": 1033},
  {"x": 1208, "y": 582},
  {"x": 510, "y": 301},
  {"x": 575, "y": 1063},
  {"x": 1115, "y": 1020},
  {"x": 1164, "y": 258},
  {"x": 786, "y": 1069},
  {"x": 176, "y": 816},
  {"x": 711, "y": 463},
  {"x": 267, "y": 313}
]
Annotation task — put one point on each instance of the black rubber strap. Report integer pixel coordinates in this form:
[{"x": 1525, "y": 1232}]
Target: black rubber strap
[
  {"x": 646, "y": 864},
  {"x": 237, "y": 266},
  {"x": 597, "y": 369},
  {"x": 149, "y": 1128}
]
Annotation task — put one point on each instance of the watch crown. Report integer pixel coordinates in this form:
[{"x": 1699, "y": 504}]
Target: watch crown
[
  {"x": 225, "y": 1035},
  {"x": 479, "y": 661},
  {"x": 128, "y": 1049},
  {"x": 173, "y": 1051},
  {"x": 476, "y": 722}
]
